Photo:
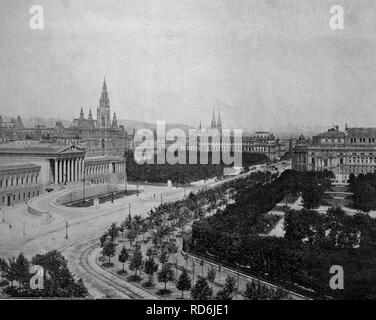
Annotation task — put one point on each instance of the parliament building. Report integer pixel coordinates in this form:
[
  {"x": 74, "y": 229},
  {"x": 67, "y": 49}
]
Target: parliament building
[{"x": 33, "y": 160}]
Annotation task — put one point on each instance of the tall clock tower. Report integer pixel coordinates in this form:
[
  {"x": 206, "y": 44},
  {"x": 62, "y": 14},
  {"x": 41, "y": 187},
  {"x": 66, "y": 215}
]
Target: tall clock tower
[{"x": 103, "y": 111}]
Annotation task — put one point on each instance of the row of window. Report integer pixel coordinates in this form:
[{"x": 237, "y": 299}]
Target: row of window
[
  {"x": 362, "y": 140},
  {"x": 333, "y": 140},
  {"x": 18, "y": 181},
  {"x": 99, "y": 181},
  {"x": 23, "y": 196}
]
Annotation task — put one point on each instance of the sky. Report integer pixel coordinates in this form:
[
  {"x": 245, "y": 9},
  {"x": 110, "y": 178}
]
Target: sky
[{"x": 266, "y": 63}]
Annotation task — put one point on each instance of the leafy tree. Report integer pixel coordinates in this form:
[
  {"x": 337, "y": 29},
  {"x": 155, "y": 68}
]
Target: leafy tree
[
  {"x": 150, "y": 252},
  {"x": 184, "y": 282},
  {"x": 3, "y": 268},
  {"x": 201, "y": 290},
  {"x": 22, "y": 270},
  {"x": 11, "y": 271},
  {"x": 103, "y": 239},
  {"x": 136, "y": 260},
  {"x": 163, "y": 256},
  {"x": 123, "y": 256},
  {"x": 113, "y": 232},
  {"x": 131, "y": 235},
  {"x": 228, "y": 290},
  {"x": 109, "y": 250},
  {"x": 137, "y": 221},
  {"x": 211, "y": 275},
  {"x": 312, "y": 195},
  {"x": 165, "y": 275},
  {"x": 172, "y": 248},
  {"x": 257, "y": 291},
  {"x": 150, "y": 267},
  {"x": 144, "y": 228},
  {"x": 127, "y": 223}
]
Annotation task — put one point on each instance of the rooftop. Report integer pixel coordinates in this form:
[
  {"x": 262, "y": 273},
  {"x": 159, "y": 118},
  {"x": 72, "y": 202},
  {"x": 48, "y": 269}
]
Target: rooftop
[
  {"x": 361, "y": 132},
  {"x": 37, "y": 148},
  {"x": 20, "y": 166},
  {"x": 332, "y": 133}
]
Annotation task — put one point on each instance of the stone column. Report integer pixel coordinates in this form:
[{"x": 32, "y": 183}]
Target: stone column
[
  {"x": 64, "y": 170},
  {"x": 76, "y": 169},
  {"x": 79, "y": 169},
  {"x": 68, "y": 170},
  {"x": 60, "y": 171},
  {"x": 55, "y": 177},
  {"x": 72, "y": 168}
]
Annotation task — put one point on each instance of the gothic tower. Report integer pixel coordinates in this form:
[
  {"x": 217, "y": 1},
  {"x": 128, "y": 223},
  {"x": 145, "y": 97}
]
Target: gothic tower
[
  {"x": 114, "y": 121},
  {"x": 103, "y": 111},
  {"x": 82, "y": 114},
  {"x": 213, "y": 123},
  {"x": 219, "y": 121}
]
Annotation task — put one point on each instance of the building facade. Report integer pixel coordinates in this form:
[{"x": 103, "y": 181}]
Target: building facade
[
  {"x": 46, "y": 165},
  {"x": 19, "y": 183},
  {"x": 102, "y": 136},
  {"x": 265, "y": 143},
  {"x": 343, "y": 153}
]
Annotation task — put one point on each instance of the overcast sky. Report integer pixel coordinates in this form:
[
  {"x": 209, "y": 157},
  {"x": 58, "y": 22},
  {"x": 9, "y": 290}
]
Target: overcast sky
[{"x": 266, "y": 63}]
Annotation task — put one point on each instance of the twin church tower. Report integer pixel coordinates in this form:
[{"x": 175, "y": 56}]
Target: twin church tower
[{"x": 218, "y": 124}]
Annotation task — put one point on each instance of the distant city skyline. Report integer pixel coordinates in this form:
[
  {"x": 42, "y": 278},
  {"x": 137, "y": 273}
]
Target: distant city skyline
[{"x": 266, "y": 64}]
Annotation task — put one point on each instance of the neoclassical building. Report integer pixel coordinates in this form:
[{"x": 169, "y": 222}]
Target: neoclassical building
[
  {"x": 31, "y": 168},
  {"x": 19, "y": 183},
  {"x": 263, "y": 142},
  {"x": 342, "y": 152}
]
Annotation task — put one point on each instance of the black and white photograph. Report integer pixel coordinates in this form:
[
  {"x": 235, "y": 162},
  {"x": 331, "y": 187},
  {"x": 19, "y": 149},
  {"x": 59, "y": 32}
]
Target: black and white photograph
[{"x": 190, "y": 154}]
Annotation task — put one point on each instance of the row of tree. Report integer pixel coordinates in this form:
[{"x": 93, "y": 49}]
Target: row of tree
[
  {"x": 183, "y": 173},
  {"x": 58, "y": 281},
  {"x": 364, "y": 191}
]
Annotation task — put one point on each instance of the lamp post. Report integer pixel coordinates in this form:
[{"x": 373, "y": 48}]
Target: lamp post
[
  {"x": 66, "y": 229},
  {"x": 83, "y": 186},
  {"x": 3, "y": 214},
  {"x": 161, "y": 198}
]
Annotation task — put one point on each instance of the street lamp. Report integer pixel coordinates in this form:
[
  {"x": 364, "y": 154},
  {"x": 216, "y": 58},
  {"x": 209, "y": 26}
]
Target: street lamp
[
  {"x": 83, "y": 186},
  {"x": 66, "y": 229}
]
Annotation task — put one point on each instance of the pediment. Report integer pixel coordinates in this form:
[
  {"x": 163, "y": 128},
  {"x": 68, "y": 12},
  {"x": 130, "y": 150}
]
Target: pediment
[{"x": 70, "y": 149}]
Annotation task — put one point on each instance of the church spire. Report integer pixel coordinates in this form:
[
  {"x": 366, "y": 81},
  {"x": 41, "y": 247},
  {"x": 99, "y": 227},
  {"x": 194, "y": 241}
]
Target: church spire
[
  {"x": 114, "y": 121},
  {"x": 213, "y": 123},
  {"x": 219, "y": 120},
  {"x": 104, "y": 101}
]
